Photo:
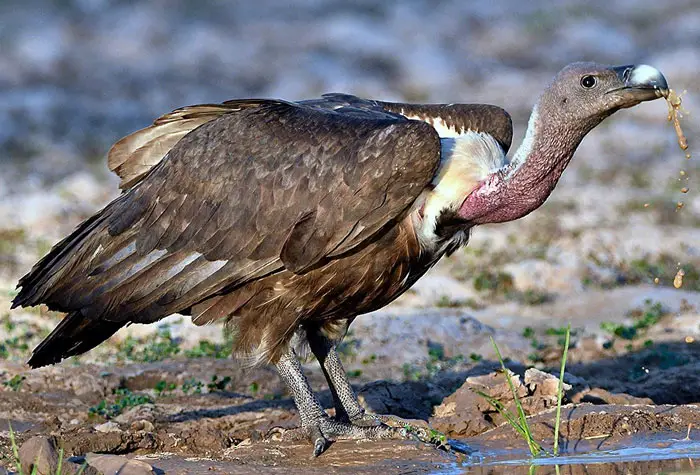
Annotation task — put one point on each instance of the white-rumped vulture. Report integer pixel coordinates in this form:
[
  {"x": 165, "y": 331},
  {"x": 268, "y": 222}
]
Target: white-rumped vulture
[{"x": 288, "y": 220}]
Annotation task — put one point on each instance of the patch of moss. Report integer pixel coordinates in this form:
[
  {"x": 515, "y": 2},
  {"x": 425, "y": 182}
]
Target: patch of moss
[
  {"x": 159, "y": 347},
  {"x": 125, "y": 399},
  {"x": 446, "y": 302},
  {"x": 15, "y": 383},
  {"x": 207, "y": 349},
  {"x": 494, "y": 282},
  {"x": 657, "y": 270},
  {"x": 643, "y": 319}
]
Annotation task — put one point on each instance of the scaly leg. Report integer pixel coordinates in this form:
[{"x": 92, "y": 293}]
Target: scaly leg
[
  {"x": 320, "y": 428},
  {"x": 347, "y": 407}
]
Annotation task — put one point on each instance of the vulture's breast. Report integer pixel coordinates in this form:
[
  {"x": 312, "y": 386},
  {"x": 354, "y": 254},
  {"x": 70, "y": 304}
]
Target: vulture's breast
[
  {"x": 360, "y": 282},
  {"x": 357, "y": 283}
]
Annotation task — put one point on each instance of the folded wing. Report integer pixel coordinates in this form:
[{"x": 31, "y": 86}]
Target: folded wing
[{"x": 264, "y": 188}]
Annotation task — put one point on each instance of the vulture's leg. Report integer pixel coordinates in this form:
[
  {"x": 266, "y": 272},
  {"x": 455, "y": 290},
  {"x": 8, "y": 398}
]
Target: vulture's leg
[
  {"x": 347, "y": 407},
  {"x": 319, "y": 427}
]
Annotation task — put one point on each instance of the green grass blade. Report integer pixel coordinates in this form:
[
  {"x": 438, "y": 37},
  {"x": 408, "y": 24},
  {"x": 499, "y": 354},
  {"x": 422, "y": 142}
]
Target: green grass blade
[
  {"x": 510, "y": 418},
  {"x": 535, "y": 448},
  {"x": 59, "y": 466},
  {"x": 560, "y": 391},
  {"x": 15, "y": 449}
]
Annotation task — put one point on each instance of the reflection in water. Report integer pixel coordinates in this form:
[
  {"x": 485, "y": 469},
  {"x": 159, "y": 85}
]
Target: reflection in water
[{"x": 675, "y": 457}]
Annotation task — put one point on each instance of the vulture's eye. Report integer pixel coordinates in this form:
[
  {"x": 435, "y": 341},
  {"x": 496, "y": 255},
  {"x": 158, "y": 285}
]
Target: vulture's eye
[{"x": 588, "y": 81}]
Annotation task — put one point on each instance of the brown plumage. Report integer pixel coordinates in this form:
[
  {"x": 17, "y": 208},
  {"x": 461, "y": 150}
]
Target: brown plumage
[{"x": 266, "y": 208}]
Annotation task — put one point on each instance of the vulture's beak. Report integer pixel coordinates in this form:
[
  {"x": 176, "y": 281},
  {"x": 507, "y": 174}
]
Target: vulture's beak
[{"x": 640, "y": 83}]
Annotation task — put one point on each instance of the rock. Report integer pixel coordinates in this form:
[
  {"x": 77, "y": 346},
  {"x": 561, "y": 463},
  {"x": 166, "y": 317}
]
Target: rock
[
  {"x": 465, "y": 413},
  {"x": 3, "y": 471},
  {"x": 40, "y": 455},
  {"x": 142, "y": 425},
  {"x": 109, "y": 426},
  {"x": 601, "y": 396},
  {"x": 116, "y": 464},
  {"x": 409, "y": 400},
  {"x": 460, "y": 414},
  {"x": 496, "y": 386},
  {"x": 543, "y": 383},
  {"x": 143, "y": 412}
]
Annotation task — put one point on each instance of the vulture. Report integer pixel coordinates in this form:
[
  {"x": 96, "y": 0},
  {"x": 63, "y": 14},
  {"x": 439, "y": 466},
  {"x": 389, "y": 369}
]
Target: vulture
[{"x": 287, "y": 220}]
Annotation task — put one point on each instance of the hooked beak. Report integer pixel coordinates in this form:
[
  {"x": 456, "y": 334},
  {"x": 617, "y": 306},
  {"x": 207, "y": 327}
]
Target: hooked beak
[{"x": 641, "y": 83}]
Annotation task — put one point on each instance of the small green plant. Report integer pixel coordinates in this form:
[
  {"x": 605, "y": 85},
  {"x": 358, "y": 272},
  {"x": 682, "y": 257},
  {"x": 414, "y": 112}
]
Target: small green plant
[
  {"x": 15, "y": 383},
  {"x": 163, "y": 387},
  {"x": 125, "y": 398},
  {"x": 560, "y": 390},
  {"x": 157, "y": 348},
  {"x": 217, "y": 384},
  {"x": 436, "y": 352},
  {"x": 371, "y": 359},
  {"x": 354, "y": 373},
  {"x": 207, "y": 349},
  {"x": 446, "y": 301},
  {"x": 532, "y": 297},
  {"x": 348, "y": 347},
  {"x": 519, "y": 421},
  {"x": 254, "y": 388},
  {"x": 643, "y": 319},
  {"x": 438, "y": 360},
  {"x": 411, "y": 373},
  {"x": 193, "y": 386},
  {"x": 494, "y": 282},
  {"x": 563, "y": 333}
]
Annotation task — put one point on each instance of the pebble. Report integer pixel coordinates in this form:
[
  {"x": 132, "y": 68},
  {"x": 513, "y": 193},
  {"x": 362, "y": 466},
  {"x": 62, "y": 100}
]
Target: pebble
[
  {"x": 40, "y": 455},
  {"x": 109, "y": 426},
  {"x": 109, "y": 464}
]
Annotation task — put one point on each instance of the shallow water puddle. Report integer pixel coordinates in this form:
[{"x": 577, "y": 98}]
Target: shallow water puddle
[{"x": 671, "y": 456}]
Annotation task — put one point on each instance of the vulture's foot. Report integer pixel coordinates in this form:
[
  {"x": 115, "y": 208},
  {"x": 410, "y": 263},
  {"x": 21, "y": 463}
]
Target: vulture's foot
[
  {"x": 327, "y": 430},
  {"x": 420, "y": 431}
]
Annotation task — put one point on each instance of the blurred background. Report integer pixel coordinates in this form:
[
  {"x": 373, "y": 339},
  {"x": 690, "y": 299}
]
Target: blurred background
[{"x": 76, "y": 75}]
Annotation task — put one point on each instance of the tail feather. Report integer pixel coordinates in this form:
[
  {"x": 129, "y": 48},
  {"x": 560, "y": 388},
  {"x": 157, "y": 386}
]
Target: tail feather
[
  {"x": 75, "y": 334},
  {"x": 38, "y": 281}
]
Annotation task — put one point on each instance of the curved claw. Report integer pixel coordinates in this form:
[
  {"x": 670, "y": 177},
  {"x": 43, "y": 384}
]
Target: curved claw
[{"x": 319, "y": 440}]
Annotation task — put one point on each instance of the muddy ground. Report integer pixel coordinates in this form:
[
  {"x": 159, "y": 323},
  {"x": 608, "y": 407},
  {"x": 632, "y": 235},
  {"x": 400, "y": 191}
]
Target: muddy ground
[
  {"x": 239, "y": 426},
  {"x": 601, "y": 254}
]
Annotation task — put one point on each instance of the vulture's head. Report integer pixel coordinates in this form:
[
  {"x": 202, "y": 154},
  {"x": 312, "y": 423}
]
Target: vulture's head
[
  {"x": 578, "y": 99},
  {"x": 583, "y": 94}
]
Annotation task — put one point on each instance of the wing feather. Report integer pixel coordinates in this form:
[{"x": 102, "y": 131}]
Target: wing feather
[
  {"x": 134, "y": 155},
  {"x": 453, "y": 118},
  {"x": 271, "y": 186}
]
